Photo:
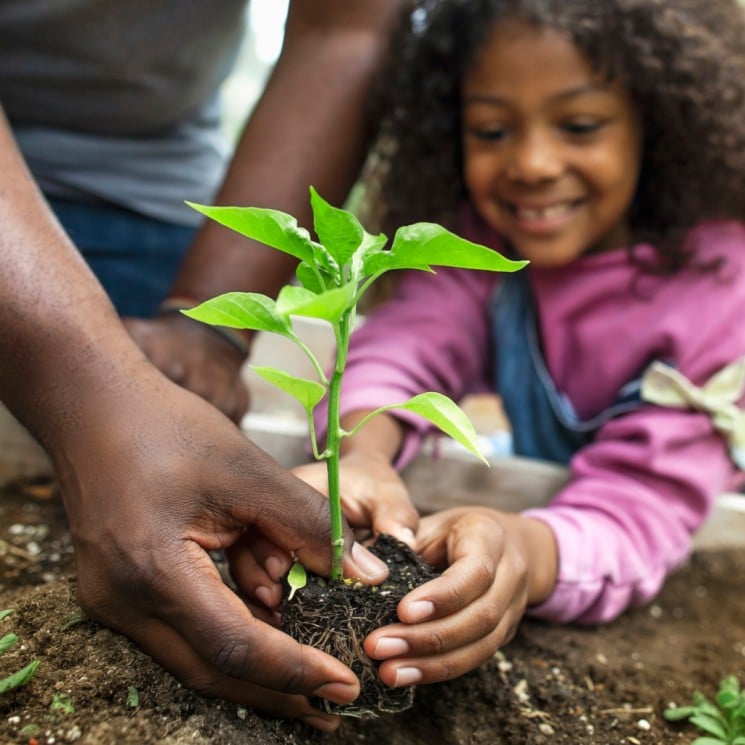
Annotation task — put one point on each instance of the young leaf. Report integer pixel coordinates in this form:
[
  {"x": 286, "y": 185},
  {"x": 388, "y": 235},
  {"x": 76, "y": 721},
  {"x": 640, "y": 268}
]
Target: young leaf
[
  {"x": 313, "y": 279},
  {"x": 20, "y": 678},
  {"x": 133, "y": 697},
  {"x": 272, "y": 227},
  {"x": 713, "y": 725},
  {"x": 328, "y": 306},
  {"x": 242, "y": 310},
  {"x": 340, "y": 231},
  {"x": 445, "y": 414},
  {"x": 424, "y": 245},
  {"x": 5, "y": 613},
  {"x": 307, "y": 392},
  {"x": 297, "y": 578},
  {"x": 7, "y": 641}
]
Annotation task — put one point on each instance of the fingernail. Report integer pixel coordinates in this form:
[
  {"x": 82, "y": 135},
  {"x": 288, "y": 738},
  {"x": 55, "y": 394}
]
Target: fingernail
[
  {"x": 390, "y": 647},
  {"x": 407, "y": 536},
  {"x": 275, "y": 568},
  {"x": 338, "y": 693},
  {"x": 265, "y": 595},
  {"x": 371, "y": 565},
  {"x": 406, "y": 676},
  {"x": 420, "y": 610}
]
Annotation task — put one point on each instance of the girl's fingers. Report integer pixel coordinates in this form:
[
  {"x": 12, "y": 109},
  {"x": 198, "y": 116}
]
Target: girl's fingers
[
  {"x": 474, "y": 620},
  {"x": 409, "y": 670},
  {"x": 257, "y": 567},
  {"x": 464, "y": 582}
]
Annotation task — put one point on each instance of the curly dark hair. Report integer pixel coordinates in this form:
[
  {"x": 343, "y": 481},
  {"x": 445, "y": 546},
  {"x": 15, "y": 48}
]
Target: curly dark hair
[{"x": 683, "y": 62}]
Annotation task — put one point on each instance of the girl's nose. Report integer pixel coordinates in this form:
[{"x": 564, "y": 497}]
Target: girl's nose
[{"x": 533, "y": 159}]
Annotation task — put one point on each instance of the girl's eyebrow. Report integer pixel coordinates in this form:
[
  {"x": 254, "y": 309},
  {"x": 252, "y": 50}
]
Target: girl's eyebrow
[{"x": 580, "y": 90}]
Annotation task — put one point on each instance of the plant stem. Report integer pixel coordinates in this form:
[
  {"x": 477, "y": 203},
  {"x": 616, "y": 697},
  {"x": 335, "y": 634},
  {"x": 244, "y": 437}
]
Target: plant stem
[{"x": 333, "y": 441}]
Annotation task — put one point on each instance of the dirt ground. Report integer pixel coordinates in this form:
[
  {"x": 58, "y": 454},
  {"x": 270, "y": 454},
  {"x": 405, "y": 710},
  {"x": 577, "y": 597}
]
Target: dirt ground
[{"x": 551, "y": 685}]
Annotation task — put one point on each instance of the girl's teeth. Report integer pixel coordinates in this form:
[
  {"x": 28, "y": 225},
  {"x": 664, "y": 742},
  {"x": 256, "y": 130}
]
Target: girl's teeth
[{"x": 531, "y": 213}]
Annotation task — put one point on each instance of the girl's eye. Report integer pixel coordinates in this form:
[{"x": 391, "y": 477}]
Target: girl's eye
[
  {"x": 487, "y": 134},
  {"x": 584, "y": 127}
]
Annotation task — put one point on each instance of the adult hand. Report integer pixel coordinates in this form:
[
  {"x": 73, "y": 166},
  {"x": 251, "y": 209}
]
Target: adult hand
[
  {"x": 192, "y": 355},
  {"x": 152, "y": 484},
  {"x": 496, "y": 564}
]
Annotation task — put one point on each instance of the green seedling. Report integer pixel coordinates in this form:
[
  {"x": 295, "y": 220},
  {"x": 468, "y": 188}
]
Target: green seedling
[
  {"x": 723, "y": 720},
  {"x": 22, "y": 676},
  {"x": 133, "y": 697},
  {"x": 333, "y": 274}
]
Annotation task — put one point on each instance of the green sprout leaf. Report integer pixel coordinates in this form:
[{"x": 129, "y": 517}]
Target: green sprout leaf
[
  {"x": 337, "y": 229},
  {"x": 444, "y": 413},
  {"x": 328, "y": 306},
  {"x": 62, "y": 702},
  {"x": 723, "y": 721},
  {"x": 7, "y": 641},
  {"x": 297, "y": 578},
  {"x": 307, "y": 392},
  {"x": 20, "y": 678},
  {"x": 424, "y": 245},
  {"x": 272, "y": 227},
  {"x": 133, "y": 697},
  {"x": 242, "y": 310}
]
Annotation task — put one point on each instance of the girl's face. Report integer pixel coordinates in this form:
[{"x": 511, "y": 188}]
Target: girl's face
[{"x": 551, "y": 150}]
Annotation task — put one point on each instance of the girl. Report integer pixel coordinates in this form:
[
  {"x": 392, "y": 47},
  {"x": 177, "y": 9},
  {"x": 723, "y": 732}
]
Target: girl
[{"x": 604, "y": 142}]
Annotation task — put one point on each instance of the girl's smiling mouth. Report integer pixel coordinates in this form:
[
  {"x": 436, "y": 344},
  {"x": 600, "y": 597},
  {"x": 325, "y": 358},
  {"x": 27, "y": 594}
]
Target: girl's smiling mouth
[{"x": 543, "y": 218}]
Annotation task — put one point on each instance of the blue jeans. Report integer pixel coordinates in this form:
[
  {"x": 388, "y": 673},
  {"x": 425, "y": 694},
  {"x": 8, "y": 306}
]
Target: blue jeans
[{"x": 134, "y": 257}]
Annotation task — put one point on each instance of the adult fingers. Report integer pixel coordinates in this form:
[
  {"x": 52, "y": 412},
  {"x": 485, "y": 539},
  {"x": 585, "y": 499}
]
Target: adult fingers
[
  {"x": 299, "y": 522},
  {"x": 165, "y": 644},
  {"x": 214, "y": 623}
]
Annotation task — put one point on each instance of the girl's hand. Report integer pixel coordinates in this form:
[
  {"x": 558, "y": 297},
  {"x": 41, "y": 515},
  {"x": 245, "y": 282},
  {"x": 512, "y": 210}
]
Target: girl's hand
[
  {"x": 497, "y": 563},
  {"x": 372, "y": 493}
]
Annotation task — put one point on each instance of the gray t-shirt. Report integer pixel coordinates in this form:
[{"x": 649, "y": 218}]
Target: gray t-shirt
[{"x": 118, "y": 100}]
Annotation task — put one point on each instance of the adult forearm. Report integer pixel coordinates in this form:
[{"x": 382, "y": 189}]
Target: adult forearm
[
  {"x": 309, "y": 128},
  {"x": 59, "y": 336}
]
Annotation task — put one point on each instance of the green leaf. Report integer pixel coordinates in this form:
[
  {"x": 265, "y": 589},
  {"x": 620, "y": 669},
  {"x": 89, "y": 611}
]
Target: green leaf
[
  {"x": 338, "y": 230},
  {"x": 307, "y": 392},
  {"x": 272, "y": 227},
  {"x": 710, "y": 724},
  {"x": 328, "y": 306},
  {"x": 424, "y": 245},
  {"x": 19, "y": 678},
  {"x": 309, "y": 278},
  {"x": 727, "y": 699},
  {"x": 7, "y": 641},
  {"x": 5, "y": 613},
  {"x": 676, "y": 713},
  {"x": 297, "y": 578},
  {"x": 709, "y": 741},
  {"x": 242, "y": 310},
  {"x": 62, "y": 702},
  {"x": 445, "y": 414},
  {"x": 133, "y": 697}
]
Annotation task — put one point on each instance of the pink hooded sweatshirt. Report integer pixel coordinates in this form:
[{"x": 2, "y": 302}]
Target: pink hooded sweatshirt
[{"x": 649, "y": 478}]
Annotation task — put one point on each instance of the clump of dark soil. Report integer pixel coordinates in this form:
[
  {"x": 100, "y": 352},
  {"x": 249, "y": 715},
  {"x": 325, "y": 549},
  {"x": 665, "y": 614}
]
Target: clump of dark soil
[
  {"x": 336, "y": 617},
  {"x": 550, "y": 686}
]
